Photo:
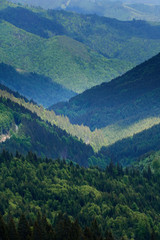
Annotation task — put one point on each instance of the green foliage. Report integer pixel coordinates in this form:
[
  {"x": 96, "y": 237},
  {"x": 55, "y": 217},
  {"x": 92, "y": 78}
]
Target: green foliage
[
  {"x": 95, "y": 138},
  {"x": 61, "y": 58},
  {"x": 121, "y": 103},
  {"x": 29, "y": 132},
  {"x": 34, "y": 87},
  {"x": 63, "y": 228},
  {"x": 125, "y": 201},
  {"x": 116, "y": 9},
  {"x": 131, "y": 41},
  {"x": 6, "y": 119},
  {"x": 134, "y": 150},
  {"x": 54, "y": 44}
]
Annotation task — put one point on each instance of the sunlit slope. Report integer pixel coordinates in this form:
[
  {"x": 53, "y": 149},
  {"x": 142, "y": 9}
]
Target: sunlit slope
[
  {"x": 129, "y": 98},
  {"x": 39, "y": 88},
  {"x": 67, "y": 61}
]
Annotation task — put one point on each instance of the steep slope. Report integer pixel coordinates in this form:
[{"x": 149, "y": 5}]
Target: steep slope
[
  {"x": 134, "y": 150},
  {"x": 127, "y": 202},
  {"x": 116, "y": 9},
  {"x": 132, "y": 41},
  {"x": 27, "y": 132},
  {"x": 127, "y": 99},
  {"x": 95, "y": 138},
  {"x": 66, "y": 61},
  {"x": 36, "y": 87},
  {"x": 122, "y": 10}
]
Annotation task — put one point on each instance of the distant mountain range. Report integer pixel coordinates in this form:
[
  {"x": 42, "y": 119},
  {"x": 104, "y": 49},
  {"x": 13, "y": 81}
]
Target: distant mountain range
[
  {"x": 34, "y": 87},
  {"x": 131, "y": 97},
  {"x": 22, "y": 130},
  {"x": 125, "y": 106},
  {"x": 88, "y": 167},
  {"x": 65, "y": 60},
  {"x": 95, "y": 49},
  {"x": 132, "y": 150},
  {"x": 122, "y": 10}
]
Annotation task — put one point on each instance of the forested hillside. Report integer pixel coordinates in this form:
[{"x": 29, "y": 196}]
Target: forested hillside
[
  {"x": 95, "y": 138},
  {"x": 124, "y": 201},
  {"x": 130, "y": 150},
  {"x": 95, "y": 174},
  {"x": 124, "y": 101},
  {"x": 54, "y": 44},
  {"x": 110, "y": 37},
  {"x": 63, "y": 59},
  {"x": 27, "y": 132},
  {"x": 33, "y": 86},
  {"x": 122, "y": 10},
  {"x": 33, "y": 135}
]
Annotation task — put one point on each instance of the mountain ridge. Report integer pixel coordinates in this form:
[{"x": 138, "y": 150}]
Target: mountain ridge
[
  {"x": 55, "y": 59},
  {"x": 122, "y": 10},
  {"x": 110, "y": 47},
  {"x": 117, "y": 96},
  {"x": 34, "y": 87}
]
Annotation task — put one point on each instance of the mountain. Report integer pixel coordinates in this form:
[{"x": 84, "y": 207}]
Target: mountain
[
  {"x": 24, "y": 131},
  {"x": 124, "y": 101},
  {"x": 131, "y": 41},
  {"x": 122, "y": 10},
  {"x": 44, "y": 42},
  {"x": 63, "y": 59},
  {"x": 94, "y": 138},
  {"x": 154, "y": 2},
  {"x": 134, "y": 150},
  {"x": 33, "y": 86},
  {"x": 113, "y": 199}
]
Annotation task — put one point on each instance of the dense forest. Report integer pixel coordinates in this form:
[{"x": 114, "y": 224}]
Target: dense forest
[
  {"x": 28, "y": 132},
  {"x": 127, "y": 151},
  {"x": 122, "y": 10},
  {"x": 130, "y": 150},
  {"x": 124, "y": 101},
  {"x": 89, "y": 168},
  {"x": 46, "y": 43},
  {"x": 33, "y": 86},
  {"x": 62, "y": 58},
  {"x": 125, "y": 202},
  {"x": 95, "y": 138},
  {"x": 42, "y": 230},
  {"x": 112, "y": 38}
]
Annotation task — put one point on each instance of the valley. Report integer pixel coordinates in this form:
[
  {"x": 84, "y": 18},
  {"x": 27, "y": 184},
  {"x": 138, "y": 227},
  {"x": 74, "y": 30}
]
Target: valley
[
  {"x": 79, "y": 120},
  {"x": 122, "y": 10}
]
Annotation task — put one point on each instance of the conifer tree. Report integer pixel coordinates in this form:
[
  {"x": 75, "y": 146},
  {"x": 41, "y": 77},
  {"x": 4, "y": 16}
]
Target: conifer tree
[
  {"x": 109, "y": 236},
  {"x": 88, "y": 234},
  {"x": 3, "y": 229},
  {"x": 23, "y": 228},
  {"x": 95, "y": 230},
  {"x": 12, "y": 232},
  {"x": 76, "y": 231},
  {"x": 37, "y": 232}
]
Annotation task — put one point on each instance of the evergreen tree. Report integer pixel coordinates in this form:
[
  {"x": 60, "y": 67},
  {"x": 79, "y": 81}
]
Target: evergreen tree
[
  {"x": 3, "y": 229},
  {"x": 12, "y": 232},
  {"x": 95, "y": 230},
  {"x": 37, "y": 232},
  {"x": 63, "y": 228},
  {"x": 23, "y": 228},
  {"x": 88, "y": 234},
  {"x": 76, "y": 231},
  {"x": 109, "y": 236}
]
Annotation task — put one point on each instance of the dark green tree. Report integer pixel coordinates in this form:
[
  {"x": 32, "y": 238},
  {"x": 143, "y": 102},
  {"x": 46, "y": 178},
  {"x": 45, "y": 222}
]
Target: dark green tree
[
  {"x": 3, "y": 229},
  {"x": 23, "y": 228},
  {"x": 12, "y": 232}
]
